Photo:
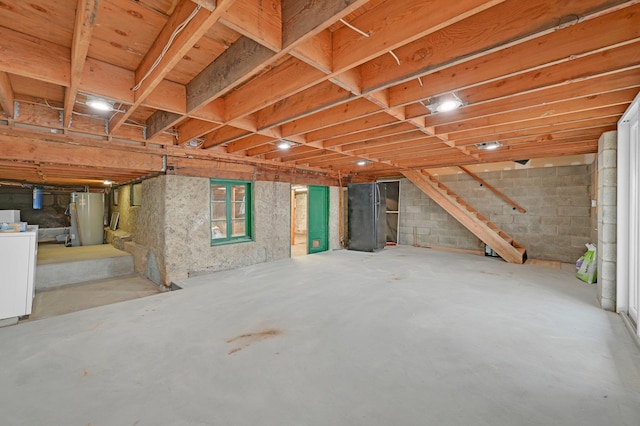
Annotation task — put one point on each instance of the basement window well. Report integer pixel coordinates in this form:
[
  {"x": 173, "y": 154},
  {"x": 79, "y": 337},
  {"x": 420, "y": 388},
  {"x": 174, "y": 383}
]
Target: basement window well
[{"x": 231, "y": 211}]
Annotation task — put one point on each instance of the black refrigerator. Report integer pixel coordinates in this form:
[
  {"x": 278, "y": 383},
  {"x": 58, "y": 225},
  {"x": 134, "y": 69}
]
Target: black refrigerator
[{"x": 366, "y": 220}]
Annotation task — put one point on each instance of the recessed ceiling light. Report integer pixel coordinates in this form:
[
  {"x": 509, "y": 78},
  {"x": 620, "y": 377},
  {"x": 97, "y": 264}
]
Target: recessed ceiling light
[
  {"x": 99, "y": 103},
  {"x": 284, "y": 144},
  {"x": 444, "y": 103},
  {"x": 449, "y": 105},
  {"x": 489, "y": 145}
]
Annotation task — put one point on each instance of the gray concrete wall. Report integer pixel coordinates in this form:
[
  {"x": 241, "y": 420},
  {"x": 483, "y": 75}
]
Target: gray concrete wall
[
  {"x": 51, "y": 215},
  {"x": 556, "y": 226},
  {"x": 171, "y": 229},
  {"x": 188, "y": 249},
  {"x": 607, "y": 219}
]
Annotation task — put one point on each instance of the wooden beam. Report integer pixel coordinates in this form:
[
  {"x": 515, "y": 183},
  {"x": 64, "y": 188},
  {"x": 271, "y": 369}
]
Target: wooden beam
[
  {"x": 350, "y": 80},
  {"x": 64, "y": 149},
  {"x": 476, "y": 36},
  {"x": 251, "y": 141},
  {"x": 149, "y": 73},
  {"x": 350, "y": 127},
  {"x": 302, "y": 104},
  {"x": 235, "y": 65},
  {"x": 6, "y": 95},
  {"x": 563, "y": 45},
  {"x": 287, "y": 79},
  {"x": 261, "y": 21},
  {"x": 31, "y": 57},
  {"x": 562, "y": 128},
  {"x": 316, "y": 51},
  {"x": 493, "y": 189},
  {"x": 303, "y": 19},
  {"x": 340, "y": 113},
  {"x": 524, "y": 97},
  {"x": 86, "y": 11},
  {"x": 557, "y": 108},
  {"x": 395, "y": 23},
  {"x": 224, "y": 135},
  {"x": 523, "y": 126},
  {"x": 193, "y": 129},
  {"x": 392, "y": 128},
  {"x": 161, "y": 121}
]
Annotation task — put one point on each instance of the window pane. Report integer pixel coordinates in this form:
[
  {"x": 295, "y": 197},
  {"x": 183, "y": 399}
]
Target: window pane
[
  {"x": 218, "y": 229},
  {"x": 239, "y": 228},
  {"x": 238, "y": 201},
  {"x": 218, "y": 193},
  {"x": 231, "y": 214},
  {"x": 218, "y": 211}
]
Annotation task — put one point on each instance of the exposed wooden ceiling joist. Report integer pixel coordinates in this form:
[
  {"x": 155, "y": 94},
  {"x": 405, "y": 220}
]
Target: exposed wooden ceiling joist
[{"x": 341, "y": 79}]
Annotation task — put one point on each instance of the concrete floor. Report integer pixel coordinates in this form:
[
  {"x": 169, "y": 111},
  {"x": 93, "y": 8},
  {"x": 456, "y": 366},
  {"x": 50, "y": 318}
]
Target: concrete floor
[
  {"x": 77, "y": 297},
  {"x": 299, "y": 248},
  {"x": 406, "y": 336},
  {"x": 58, "y": 253}
]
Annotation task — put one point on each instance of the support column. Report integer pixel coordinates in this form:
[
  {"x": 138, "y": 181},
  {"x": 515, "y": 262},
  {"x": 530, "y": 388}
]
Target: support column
[{"x": 607, "y": 219}]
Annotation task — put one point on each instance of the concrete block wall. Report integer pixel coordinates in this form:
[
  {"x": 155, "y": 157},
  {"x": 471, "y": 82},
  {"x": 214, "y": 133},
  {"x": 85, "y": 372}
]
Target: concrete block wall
[
  {"x": 607, "y": 219},
  {"x": 556, "y": 226},
  {"x": 422, "y": 222},
  {"x": 51, "y": 215}
]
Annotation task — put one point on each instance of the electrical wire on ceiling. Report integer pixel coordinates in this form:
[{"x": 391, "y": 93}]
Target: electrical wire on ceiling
[
  {"x": 395, "y": 56},
  {"x": 177, "y": 31},
  {"x": 420, "y": 81},
  {"x": 55, "y": 108},
  {"x": 359, "y": 31}
]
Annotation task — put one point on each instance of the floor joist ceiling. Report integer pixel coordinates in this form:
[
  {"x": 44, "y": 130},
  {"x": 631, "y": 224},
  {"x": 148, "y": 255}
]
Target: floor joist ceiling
[{"x": 342, "y": 80}]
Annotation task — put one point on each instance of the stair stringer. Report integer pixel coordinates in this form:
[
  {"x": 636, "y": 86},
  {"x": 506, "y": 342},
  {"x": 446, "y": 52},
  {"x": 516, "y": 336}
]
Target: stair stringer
[{"x": 489, "y": 233}]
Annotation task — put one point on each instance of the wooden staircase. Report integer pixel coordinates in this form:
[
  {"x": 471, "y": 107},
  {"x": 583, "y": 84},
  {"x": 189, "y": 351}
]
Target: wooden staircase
[{"x": 509, "y": 249}]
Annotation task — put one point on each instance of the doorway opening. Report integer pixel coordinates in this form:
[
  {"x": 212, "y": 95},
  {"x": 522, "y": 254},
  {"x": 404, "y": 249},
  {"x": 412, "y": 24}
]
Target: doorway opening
[
  {"x": 392, "y": 190},
  {"x": 309, "y": 219},
  {"x": 299, "y": 219}
]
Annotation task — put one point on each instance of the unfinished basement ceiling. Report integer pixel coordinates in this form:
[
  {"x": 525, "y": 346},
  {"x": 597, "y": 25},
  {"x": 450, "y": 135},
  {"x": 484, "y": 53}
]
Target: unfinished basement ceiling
[{"x": 209, "y": 88}]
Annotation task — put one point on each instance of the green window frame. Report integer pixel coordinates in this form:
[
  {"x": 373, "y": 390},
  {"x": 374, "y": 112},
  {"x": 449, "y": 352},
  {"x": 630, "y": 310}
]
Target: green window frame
[{"x": 231, "y": 211}]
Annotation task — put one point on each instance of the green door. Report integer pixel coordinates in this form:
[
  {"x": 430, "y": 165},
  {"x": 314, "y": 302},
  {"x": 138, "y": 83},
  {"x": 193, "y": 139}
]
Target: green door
[{"x": 318, "y": 218}]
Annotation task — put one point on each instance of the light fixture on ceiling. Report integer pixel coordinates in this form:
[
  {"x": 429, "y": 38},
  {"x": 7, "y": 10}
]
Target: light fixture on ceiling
[
  {"x": 444, "y": 103},
  {"x": 100, "y": 104},
  {"x": 489, "y": 146},
  {"x": 108, "y": 182},
  {"x": 362, "y": 162},
  {"x": 284, "y": 144}
]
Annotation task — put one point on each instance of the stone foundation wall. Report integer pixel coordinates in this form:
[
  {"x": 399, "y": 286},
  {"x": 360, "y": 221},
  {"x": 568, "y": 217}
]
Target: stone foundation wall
[
  {"x": 188, "y": 236},
  {"x": 556, "y": 226},
  {"x": 171, "y": 236}
]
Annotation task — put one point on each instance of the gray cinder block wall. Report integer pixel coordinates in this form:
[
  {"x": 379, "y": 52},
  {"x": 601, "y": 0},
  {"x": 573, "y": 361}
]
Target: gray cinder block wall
[
  {"x": 556, "y": 226},
  {"x": 607, "y": 220}
]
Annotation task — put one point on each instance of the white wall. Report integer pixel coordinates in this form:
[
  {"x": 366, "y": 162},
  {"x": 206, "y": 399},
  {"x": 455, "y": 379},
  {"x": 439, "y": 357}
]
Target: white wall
[{"x": 628, "y": 207}]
